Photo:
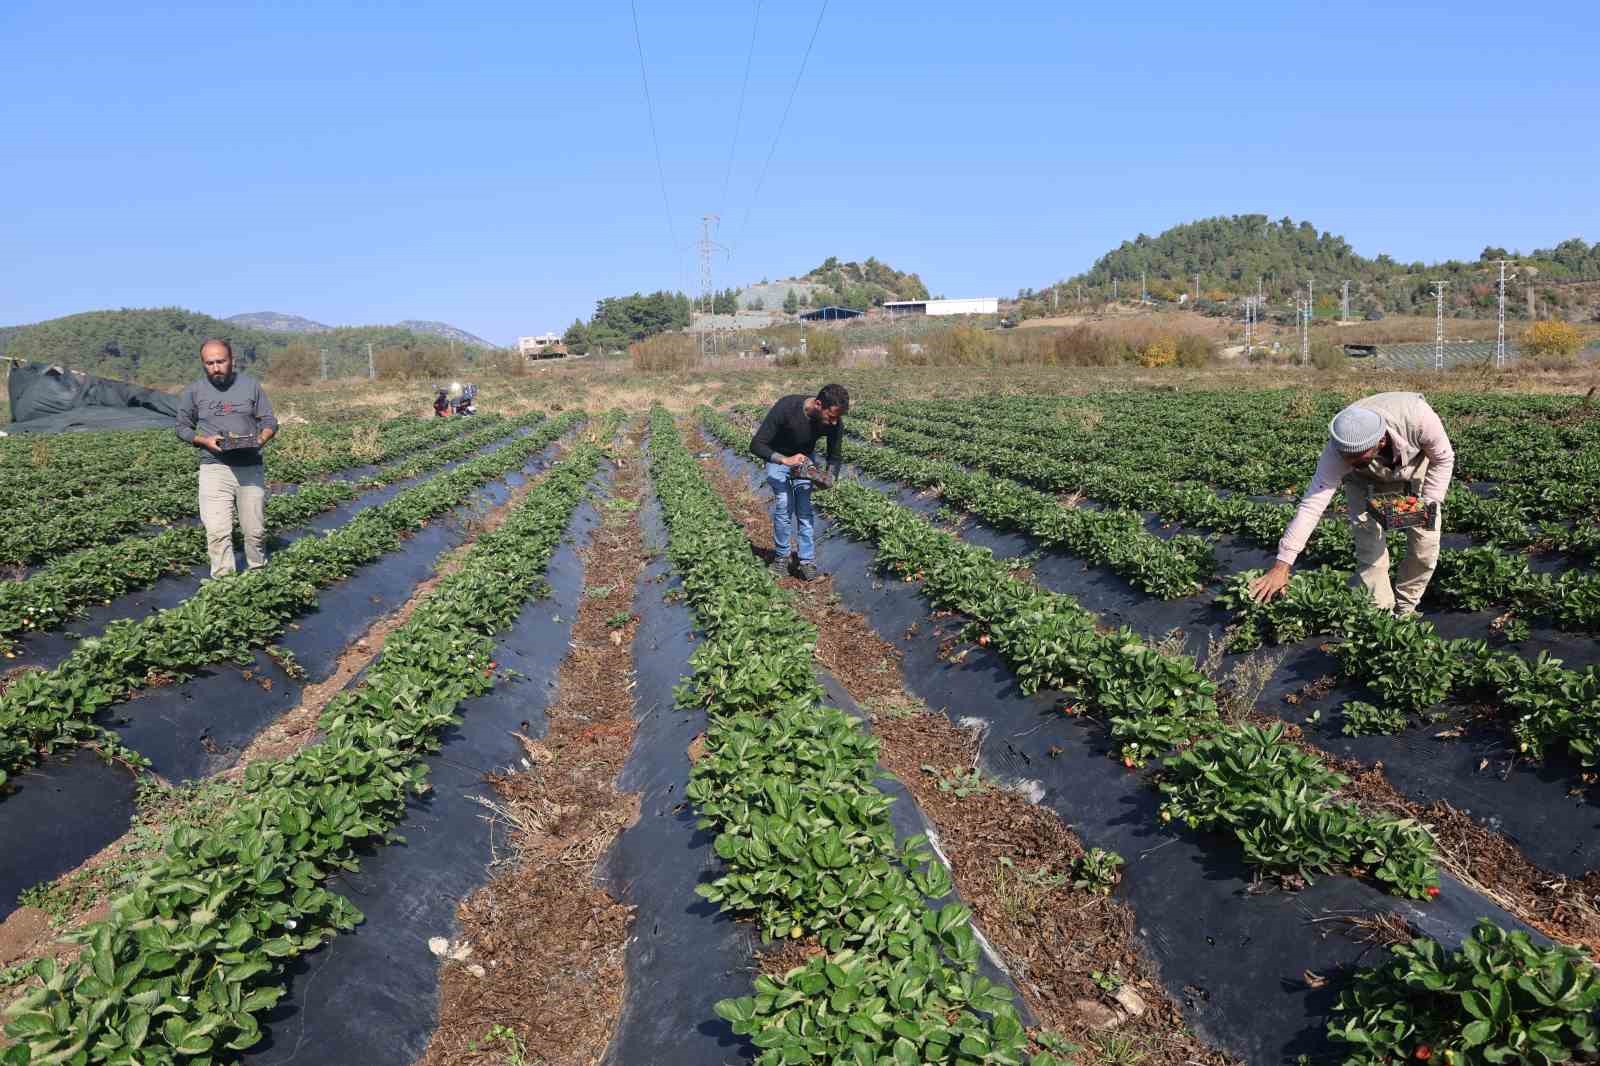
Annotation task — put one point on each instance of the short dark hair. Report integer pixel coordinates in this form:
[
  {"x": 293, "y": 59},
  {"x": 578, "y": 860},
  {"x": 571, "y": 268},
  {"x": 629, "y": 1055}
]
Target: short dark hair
[
  {"x": 218, "y": 340},
  {"x": 834, "y": 396}
]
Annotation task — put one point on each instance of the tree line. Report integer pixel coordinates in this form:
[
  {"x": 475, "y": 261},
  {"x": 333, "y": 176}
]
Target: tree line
[{"x": 161, "y": 346}]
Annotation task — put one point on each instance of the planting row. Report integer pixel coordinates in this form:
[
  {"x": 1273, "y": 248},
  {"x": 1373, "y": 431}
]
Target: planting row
[
  {"x": 1467, "y": 579},
  {"x": 188, "y": 961},
  {"x": 52, "y": 524},
  {"x": 789, "y": 788},
  {"x": 64, "y": 587},
  {"x": 1116, "y": 539},
  {"x": 1410, "y": 668},
  {"x": 43, "y": 710}
]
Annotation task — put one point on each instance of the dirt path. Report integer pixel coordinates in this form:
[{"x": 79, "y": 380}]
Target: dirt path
[
  {"x": 1073, "y": 952},
  {"x": 543, "y": 981}
]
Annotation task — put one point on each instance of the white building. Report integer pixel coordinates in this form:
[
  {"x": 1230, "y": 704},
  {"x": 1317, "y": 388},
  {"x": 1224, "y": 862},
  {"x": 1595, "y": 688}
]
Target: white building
[
  {"x": 535, "y": 345},
  {"x": 976, "y": 305}
]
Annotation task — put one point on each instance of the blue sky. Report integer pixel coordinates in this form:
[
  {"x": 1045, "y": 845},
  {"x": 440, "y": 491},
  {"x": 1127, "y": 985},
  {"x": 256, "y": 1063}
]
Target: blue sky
[{"x": 490, "y": 164}]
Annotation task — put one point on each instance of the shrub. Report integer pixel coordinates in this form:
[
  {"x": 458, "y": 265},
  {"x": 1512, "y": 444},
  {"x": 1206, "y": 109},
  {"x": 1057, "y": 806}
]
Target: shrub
[
  {"x": 963, "y": 345},
  {"x": 1327, "y": 354},
  {"x": 1083, "y": 346},
  {"x": 1163, "y": 352},
  {"x": 415, "y": 364},
  {"x": 295, "y": 365},
  {"x": 1195, "y": 351},
  {"x": 665, "y": 351},
  {"x": 1552, "y": 339},
  {"x": 902, "y": 352}
]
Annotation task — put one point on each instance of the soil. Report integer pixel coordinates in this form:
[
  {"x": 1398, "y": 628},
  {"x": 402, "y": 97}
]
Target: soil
[
  {"x": 1007, "y": 856},
  {"x": 546, "y": 966},
  {"x": 24, "y": 936}
]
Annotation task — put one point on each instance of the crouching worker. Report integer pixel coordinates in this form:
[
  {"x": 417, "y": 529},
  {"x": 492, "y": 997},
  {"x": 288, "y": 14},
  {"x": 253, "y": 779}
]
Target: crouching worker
[
  {"x": 1389, "y": 444},
  {"x": 786, "y": 441},
  {"x": 228, "y": 418}
]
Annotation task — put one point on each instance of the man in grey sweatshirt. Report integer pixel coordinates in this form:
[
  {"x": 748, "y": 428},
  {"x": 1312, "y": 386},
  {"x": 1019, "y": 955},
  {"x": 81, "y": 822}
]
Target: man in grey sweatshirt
[{"x": 228, "y": 417}]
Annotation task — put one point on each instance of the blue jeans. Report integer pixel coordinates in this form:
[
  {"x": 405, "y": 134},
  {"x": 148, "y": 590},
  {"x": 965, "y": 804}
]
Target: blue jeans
[{"x": 791, "y": 497}]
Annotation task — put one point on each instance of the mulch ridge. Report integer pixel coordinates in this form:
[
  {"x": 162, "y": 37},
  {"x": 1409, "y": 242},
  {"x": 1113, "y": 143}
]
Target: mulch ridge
[{"x": 547, "y": 944}]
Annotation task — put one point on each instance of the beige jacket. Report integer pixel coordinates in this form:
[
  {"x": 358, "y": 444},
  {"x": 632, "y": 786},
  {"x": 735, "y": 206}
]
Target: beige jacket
[{"x": 1422, "y": 453}]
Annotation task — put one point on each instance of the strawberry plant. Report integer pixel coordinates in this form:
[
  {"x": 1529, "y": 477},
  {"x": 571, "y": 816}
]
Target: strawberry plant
[
  {"x": 1363, "y": 719},
  {"x": 1497, "y": 999},
  {"x": 1278, "y": 800}
]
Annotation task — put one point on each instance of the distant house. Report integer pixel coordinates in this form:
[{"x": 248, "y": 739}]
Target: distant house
[
  {"x": 977, "y": 305},
  {"x": 542, "y": 346},
  {"x": 830, "y": 314}
]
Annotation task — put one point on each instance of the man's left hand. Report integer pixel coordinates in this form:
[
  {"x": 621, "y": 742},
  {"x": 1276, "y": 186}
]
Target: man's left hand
[{"x": 267, "y": 434}]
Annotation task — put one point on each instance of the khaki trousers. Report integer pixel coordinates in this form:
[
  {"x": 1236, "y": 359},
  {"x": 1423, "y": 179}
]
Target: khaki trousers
[
  {"x": 1372, "y": 549},
  {"x": 224, "y": 489}
]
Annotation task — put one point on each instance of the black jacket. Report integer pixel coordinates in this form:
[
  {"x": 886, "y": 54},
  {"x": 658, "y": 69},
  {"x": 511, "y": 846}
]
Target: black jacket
[{"x": 787, "y": 430}]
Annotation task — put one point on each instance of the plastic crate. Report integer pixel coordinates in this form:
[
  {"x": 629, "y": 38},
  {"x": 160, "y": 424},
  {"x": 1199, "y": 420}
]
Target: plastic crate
[
  {"x": 232, "y": 441},
  {"x": 1398, "y": 511}
]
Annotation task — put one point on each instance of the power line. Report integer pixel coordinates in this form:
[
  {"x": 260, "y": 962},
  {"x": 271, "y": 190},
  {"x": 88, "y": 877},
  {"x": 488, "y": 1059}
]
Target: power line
[
  {"x": 650, "y": 109},
  {"x": 795, "y": 88},
  {"x": 739, "y": 115}
]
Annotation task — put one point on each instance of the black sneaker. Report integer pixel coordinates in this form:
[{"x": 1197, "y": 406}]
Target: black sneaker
[
  {"x": 809, "y": 572},
  {"x": 779, "y": 567}
]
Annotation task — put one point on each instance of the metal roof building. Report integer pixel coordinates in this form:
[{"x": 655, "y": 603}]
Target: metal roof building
[
  {"x": 977, "y": 305},
  {"x": 831, "y": 314}
]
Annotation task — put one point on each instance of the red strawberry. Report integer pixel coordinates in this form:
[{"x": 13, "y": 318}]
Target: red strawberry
[
  {"x": 1433, "y": 891},
  {"x": 1423, "y": 1053}
]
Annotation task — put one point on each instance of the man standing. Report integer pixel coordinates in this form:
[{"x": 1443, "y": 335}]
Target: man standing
[
  {"x": 786, "y": 440},
  {"x": 229, "y": 418},
  {"x": 1389, "y": 443}
]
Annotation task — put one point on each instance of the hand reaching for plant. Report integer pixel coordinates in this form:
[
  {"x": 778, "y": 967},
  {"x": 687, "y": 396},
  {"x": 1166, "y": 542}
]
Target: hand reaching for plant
[{"x": 1270, "y": 585}]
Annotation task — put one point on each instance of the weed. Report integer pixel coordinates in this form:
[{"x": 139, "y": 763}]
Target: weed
[
  {"x": 963, "y": 785},
  {"x": 1106, "y": 982},
  {"x": 1117, "y": 1050},
  {"x": 503, "y": 1035},
  {"x": 597, "y": 592},
  {"x": 286, "y": 661},
  {"x": 618, "y": 619},
  {"x": 1097, "y": 872}
]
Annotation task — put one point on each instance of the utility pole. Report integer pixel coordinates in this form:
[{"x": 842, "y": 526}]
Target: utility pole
[
  {"x": 1141, "y": 287},
  {"x": 1344, "y": 305},
  {"x": 707, "y": 247},
  {"x": 1305, "y": 332},
  {"x": 1249, "y": 325},
  {"x": 1530, "y": 300},
  {"x": 1311, "y": 299},
  {"x": 1197, "y": 288},
  {"x": 371, "y": 373},
  {"x": 1114, "y": 290},
  {"x": 1055, "y": 293},
  {"x": 1438, "y": 324},
  {"x": 1500, "y": 326}
]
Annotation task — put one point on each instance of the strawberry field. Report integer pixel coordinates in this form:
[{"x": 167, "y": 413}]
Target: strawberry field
[{"x": 518, "y": 752}]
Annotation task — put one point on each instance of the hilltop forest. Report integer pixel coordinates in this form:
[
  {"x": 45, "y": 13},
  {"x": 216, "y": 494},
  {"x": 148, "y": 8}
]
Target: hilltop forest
[{"x": 1233, "y": 254}]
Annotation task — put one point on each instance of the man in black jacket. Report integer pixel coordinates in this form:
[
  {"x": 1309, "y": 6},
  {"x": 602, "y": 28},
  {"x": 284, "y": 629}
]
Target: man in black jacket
[{"x": 786, "y": 440}]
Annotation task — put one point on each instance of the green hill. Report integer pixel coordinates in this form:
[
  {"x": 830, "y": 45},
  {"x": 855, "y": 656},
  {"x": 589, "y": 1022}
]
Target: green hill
[
  {"x": 1233, "y": 254},
  {"x": 861, "y": 285},
  {"x": 162, "y": 346}
]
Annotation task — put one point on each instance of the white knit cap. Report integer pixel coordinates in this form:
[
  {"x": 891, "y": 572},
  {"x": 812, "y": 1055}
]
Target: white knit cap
[{"x": 1355, "y": 429}]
